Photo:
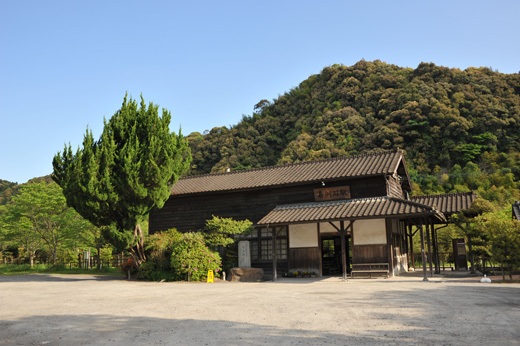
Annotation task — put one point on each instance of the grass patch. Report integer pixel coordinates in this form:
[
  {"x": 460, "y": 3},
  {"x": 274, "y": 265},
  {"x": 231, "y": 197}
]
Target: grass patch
[{"x": 17, "y": 269}]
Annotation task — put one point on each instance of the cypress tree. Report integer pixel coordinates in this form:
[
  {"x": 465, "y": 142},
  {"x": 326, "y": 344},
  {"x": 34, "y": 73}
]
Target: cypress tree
[{"x": 116, "y": 181}]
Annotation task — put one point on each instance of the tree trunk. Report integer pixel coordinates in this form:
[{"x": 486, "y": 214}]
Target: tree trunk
[
  {"x": 31, "y": 260},
  {"x": 137, "y": 250}
]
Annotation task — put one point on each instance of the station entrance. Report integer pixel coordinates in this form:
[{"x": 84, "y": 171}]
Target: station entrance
[{"x": 331, "y": 254}]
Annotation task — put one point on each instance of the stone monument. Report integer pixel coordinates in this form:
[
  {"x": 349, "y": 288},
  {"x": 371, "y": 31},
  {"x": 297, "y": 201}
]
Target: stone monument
[
  {"x": 244, "y": 272},
  {"x": 244, "y": 254}
]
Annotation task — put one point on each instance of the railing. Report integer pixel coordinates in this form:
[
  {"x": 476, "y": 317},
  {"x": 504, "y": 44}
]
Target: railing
[
  {"x": 114, "y": 262},
  {"x": 445, "y": 262}
]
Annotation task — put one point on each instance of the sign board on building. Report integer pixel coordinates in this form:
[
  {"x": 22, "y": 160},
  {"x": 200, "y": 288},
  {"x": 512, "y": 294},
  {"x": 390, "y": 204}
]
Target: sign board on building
[{"x": 332, "y": 193}]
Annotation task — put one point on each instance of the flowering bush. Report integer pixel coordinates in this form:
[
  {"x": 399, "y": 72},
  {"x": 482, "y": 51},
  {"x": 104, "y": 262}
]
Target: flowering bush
[
  {"x": 302, "y": 273},
  {"x": 128, "y": 265},
  {"x": 191, "y": 258}
]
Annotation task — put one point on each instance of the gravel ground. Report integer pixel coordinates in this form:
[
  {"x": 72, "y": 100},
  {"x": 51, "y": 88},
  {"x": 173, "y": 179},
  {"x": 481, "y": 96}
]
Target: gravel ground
[{"x": 99, "y": 310}]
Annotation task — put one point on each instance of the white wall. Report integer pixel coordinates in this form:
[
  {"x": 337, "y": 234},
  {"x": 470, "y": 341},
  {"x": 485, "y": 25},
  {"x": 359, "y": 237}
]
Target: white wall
[
  {"x": 304, "y": 235},
  {"x": 369, "y": 232},
  {"x": 326, "y": 227}
]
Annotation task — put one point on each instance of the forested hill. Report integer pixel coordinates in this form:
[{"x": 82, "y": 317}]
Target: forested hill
[
  {"x": 9, "y": 189},
  {"x": 440, "y": 116},
  {"x": 6, "y": 188},
  {"x": 460, "y": 129}
]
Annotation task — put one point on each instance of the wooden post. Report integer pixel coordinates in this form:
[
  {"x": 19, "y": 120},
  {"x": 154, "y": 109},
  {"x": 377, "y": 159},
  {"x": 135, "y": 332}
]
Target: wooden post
[
  {"x": 342, "y": 232},
  {"x": 320, "y": 271},
  {"x": 423, "y": 254},
  {"x": 411, "y": 245},
  {"x": 275, "y": 274},
  {"x": 438, "y": 254},
  {"x": 435, "y": 250},
  {"x": 428, "y": 230}
]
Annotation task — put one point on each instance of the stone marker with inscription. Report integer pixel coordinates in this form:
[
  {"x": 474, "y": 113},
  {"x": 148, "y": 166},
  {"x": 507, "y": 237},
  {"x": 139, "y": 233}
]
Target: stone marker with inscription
[{"x": 244, "y": 254}]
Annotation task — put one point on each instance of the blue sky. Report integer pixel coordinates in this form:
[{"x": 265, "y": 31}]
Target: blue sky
[{"x": 64, "y": 65}]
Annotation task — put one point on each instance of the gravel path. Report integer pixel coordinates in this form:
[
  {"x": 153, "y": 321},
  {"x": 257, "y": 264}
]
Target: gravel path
[{"x": 98, "y": 310}]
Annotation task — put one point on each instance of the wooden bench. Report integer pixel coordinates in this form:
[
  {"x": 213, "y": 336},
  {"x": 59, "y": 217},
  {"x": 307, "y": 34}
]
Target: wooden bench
[{"x": 370, "y": 268}]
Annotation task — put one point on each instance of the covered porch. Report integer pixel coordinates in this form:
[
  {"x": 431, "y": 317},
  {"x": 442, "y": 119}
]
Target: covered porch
[{"x": 333, "y": 237}]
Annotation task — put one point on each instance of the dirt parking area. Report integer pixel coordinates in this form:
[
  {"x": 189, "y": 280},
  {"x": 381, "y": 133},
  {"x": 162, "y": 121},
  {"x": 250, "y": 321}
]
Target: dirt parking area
[{"x": 97, "y": 310}]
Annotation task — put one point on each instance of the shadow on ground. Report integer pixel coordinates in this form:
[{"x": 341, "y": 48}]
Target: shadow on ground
[{"x": 110, "y": 330}]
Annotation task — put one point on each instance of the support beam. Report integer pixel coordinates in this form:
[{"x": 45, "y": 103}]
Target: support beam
[
  {"x": 411, "y": 246},
  {"x": 438, "y": 254},
  {"x": 425, "y": 278},
  {"x": 342, "y": 232},
  {"x": 275, "y": 257},
  {"x": 435, "y": 250},
  {"x": 333, "y": 225},
  {"x": 428, "y": 231}
]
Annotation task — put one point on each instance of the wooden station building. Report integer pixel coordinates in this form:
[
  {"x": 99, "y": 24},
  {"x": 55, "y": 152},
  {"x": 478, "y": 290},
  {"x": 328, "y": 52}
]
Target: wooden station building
[{"x": 341, "y": 215}]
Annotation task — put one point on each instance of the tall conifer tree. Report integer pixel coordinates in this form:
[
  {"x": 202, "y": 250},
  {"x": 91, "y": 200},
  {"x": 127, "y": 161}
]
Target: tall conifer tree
[{"x": 115, "y": 182}]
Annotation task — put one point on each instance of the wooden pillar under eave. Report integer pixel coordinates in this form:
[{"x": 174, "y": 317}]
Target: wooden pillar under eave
[
  {"x": 342, "y": 232},
  {"x": 275, "y": 258},
  {"x": 423, "y": 253},
  {"x": 411, "y": 246},
  {"x": 435, "y": 250},
  {"x": 428, "y": 232}
]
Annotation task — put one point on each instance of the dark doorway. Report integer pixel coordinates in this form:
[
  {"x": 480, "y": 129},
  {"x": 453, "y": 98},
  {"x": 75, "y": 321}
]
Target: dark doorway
[
  {"x": 459, "y": 254},
  {"x": 331, "y": 254}
]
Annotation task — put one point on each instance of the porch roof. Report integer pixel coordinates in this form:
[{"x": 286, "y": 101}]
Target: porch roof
[
  {"x": 449, "y": 203},
  {"x": 361, "y": 208}
]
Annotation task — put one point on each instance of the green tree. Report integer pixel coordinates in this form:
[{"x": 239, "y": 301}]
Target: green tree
[
  {"x": 504, "y": 238},
  {"x": 116, "y": 181},
  {"x": 219, "y": 231},
  {"x": 468, "y": 224},
  {"x": 39, "y": 213},
  {"x": 16, "y": 230}
]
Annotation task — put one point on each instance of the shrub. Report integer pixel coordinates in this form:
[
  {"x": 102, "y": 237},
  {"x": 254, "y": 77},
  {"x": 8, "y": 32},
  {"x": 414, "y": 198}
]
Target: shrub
[
  {"x": 129, "y": 265},
  {"x": 58, "y": 267},
  {"x": 191, "y": 258},
  {"x": 149, "y": 271},
  {"x": 159, "y": 247}
]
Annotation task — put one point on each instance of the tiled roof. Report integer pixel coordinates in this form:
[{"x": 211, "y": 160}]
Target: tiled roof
[
  {"x": 449, "y": 203},
  {"x": 516, "y": 210},
  {"x": 311, "y": 171},
  {"x": 376, "y": 207}
]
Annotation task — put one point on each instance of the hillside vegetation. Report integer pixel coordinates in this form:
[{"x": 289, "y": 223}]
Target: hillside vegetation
[
  {"x": 9, "y": 189},
  {"x": 460, "y": 129}
]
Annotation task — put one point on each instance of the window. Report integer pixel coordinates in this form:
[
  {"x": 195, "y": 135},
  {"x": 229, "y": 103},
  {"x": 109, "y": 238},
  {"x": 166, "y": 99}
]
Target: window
[
  {"x": 267, "y": 248},
  {"x": 261, "y": 244}
]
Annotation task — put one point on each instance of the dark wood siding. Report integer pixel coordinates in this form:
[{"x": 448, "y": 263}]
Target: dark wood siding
[
  {"x": 190, "y": 212},
  {"x": 305, "y": 258},
  {"x": 267, "y": 266},
  {"x": 369, "y": 254}
]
